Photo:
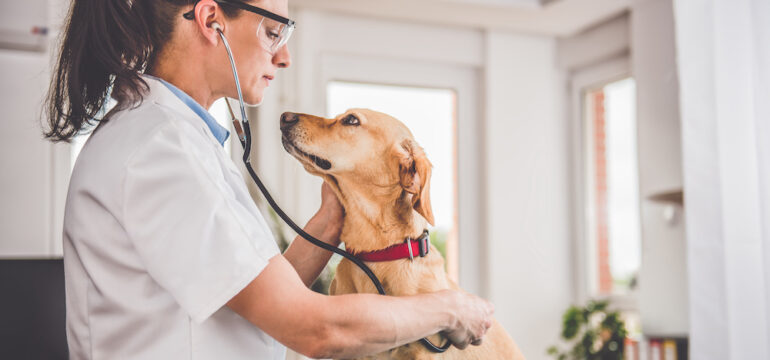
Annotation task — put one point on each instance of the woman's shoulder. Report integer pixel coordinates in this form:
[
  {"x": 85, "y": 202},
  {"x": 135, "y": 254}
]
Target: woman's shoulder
[
  {"x": 124, "y": 130},
  {"x": 129, "y": 132}
]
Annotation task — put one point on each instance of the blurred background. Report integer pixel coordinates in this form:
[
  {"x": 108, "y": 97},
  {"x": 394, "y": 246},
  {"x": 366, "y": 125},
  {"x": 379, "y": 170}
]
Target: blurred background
[{"x": 601, "y": 167}]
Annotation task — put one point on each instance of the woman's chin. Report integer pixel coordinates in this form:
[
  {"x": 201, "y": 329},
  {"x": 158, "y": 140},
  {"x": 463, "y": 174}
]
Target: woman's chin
[
  {"x": 253, "y": 93},
  {"x": 253, "y": 99}
]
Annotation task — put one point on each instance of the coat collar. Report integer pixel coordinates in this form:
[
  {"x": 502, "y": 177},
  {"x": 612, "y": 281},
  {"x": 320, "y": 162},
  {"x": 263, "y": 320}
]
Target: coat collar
[{"x": 220, "y": 133}]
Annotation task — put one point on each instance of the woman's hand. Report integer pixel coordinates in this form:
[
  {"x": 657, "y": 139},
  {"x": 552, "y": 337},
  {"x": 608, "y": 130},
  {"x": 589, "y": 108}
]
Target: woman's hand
[
  {"x": 473, "y": 317},
  {"x": 331, "y": 212},
  {"x": 326, "y": 225}
]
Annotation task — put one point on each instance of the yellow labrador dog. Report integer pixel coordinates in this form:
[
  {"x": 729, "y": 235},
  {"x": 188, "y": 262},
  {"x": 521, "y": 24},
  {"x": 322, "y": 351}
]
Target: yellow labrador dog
[{"x": 382, "y": 178}]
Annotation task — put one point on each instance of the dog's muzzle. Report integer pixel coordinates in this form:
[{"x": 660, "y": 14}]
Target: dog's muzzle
[{"x": 288, "y": 119}]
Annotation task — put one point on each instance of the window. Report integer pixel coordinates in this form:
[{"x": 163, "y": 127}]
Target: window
[
  {"x": 430, "y": 113},
  {"x": 611, "y": 189}
]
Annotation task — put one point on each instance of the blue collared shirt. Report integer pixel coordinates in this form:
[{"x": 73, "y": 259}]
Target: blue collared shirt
[{"x": 219, "y": 132}]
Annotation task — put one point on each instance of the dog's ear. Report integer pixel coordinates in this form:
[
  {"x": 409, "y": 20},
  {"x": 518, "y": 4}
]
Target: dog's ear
[{"x": 414, "y": 171}]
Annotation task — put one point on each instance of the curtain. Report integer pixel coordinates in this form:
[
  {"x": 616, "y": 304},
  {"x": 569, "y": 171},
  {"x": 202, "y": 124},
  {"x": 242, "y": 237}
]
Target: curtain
[{"x": 723, "y": 58}]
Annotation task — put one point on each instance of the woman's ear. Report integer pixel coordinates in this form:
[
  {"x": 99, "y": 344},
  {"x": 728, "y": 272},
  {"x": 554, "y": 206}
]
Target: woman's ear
[
  {"x": 414, "y": 174},
  {"x": 208, "y": 13}
]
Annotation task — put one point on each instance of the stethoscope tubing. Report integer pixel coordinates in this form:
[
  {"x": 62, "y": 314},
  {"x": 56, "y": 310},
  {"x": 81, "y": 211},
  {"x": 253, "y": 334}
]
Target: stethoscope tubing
[{"x": 245, "y": 139}]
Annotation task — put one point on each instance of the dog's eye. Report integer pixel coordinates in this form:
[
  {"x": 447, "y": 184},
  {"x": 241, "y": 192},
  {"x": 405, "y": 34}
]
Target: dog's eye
[{"x": 351, "y": 120}]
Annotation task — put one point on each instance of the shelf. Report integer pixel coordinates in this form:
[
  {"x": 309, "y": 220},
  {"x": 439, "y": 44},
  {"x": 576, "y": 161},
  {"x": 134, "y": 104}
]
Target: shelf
[{"x": 675, "y": 196}]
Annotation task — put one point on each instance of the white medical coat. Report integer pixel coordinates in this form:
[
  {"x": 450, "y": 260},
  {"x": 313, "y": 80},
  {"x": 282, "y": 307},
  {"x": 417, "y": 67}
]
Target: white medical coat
[{"x": 159, "y": 233}]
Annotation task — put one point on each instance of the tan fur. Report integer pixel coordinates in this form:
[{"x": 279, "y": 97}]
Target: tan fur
[{"x": 382, "y": 178}]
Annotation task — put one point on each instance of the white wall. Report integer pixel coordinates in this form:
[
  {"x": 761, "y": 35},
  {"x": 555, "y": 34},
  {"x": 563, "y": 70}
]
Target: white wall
[
  {"x": 602, "y": 42},
  {"x": 601, "y": 53},
  {"x": 26, "y": 160},
  {"x": 34, "y": 172},
  {"x": 528, "y": 259},
  {"x": 663, "y": 302}
]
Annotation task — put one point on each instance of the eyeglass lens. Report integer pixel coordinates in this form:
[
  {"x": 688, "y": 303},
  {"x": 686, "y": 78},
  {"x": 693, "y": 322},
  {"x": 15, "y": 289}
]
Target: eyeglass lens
[{"x": 273, "y": 34}]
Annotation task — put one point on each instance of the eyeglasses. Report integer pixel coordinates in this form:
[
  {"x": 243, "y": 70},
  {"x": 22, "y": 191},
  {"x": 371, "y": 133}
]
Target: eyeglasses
[{"x": 273, "y": 31}]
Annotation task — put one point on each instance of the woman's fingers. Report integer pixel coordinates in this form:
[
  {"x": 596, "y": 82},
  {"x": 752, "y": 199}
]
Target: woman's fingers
[{"x": 474, "y": 318}]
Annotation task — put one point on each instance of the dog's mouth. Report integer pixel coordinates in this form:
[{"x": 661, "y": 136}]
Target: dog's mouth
[{"x": 317, "y": 160}]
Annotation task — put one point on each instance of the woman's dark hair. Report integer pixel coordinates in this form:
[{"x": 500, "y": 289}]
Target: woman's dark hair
[{"x": 107, "y": 44}]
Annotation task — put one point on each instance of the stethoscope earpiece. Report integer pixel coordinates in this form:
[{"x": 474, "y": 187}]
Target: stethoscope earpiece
[{"x": 215, "y": 25}]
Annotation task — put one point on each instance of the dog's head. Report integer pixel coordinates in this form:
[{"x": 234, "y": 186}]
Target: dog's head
[{"x": 362, "y": 154}]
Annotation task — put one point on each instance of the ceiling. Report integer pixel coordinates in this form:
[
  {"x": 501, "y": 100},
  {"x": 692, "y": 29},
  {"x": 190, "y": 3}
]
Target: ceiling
[
  {"x": 532, "y": 3},
  {"x": 547, "y": 17}
]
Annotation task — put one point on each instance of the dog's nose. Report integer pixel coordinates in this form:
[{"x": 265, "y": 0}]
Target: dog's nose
[{"x": 288, "y": 119}]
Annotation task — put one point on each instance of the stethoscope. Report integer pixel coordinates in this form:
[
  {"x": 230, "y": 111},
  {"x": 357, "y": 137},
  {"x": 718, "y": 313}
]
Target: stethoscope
[{"x": 243, "y": 132}]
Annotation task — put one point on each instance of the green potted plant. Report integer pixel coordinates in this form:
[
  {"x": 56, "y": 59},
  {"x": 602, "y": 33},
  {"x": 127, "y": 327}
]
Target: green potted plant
[{"x": 594, "y": 332}]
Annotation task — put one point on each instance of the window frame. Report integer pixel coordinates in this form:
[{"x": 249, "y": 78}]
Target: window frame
[{"x": 582, "y": 81}]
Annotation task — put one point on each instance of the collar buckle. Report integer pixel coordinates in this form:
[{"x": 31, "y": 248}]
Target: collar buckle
[
  {"x": 408, "y": 242},
  {"x": 423, "y": 245}
]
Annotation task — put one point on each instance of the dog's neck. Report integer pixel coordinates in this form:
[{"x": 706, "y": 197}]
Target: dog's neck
[{"x": 373, "y": 225}]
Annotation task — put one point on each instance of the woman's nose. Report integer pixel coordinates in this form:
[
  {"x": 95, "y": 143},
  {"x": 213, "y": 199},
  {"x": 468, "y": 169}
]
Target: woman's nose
[{"x": 282, "y": 57}]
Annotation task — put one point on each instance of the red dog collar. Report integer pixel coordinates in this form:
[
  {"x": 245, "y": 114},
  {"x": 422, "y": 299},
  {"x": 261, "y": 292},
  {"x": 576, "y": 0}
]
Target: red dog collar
[{"x": 409, "y": 249}]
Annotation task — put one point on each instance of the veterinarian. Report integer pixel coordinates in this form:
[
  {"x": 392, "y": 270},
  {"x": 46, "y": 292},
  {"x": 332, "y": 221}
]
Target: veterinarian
[{"x": 166, "y": 255}]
